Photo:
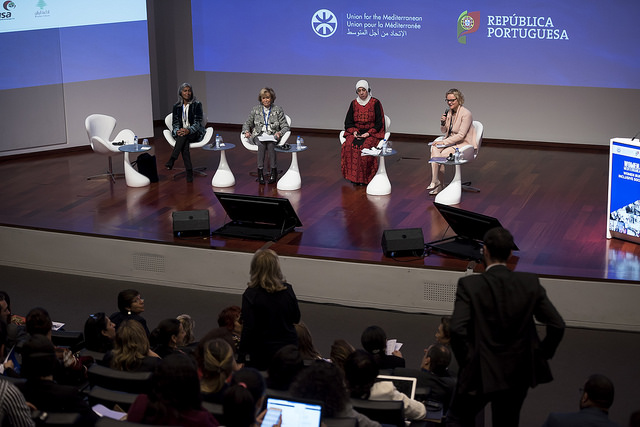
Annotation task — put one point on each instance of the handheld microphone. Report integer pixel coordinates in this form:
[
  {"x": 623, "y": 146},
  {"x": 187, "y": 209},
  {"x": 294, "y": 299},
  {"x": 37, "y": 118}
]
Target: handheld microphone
[
  {"x": 635, "y": 136},
  {"x": 445, "y": 114}
]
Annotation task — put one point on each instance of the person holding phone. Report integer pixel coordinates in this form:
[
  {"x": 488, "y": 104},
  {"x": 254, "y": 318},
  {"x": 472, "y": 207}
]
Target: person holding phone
[
  {"x": 363, "y": 128},
  {"x": 457, "y": 126}
]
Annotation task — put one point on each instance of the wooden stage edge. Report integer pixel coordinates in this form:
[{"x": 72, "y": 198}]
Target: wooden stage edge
[{"x": 595, "y": 304}]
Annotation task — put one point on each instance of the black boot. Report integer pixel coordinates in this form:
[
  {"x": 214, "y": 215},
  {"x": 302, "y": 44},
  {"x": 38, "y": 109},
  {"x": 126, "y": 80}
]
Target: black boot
[
  {"x": 169, "y": 164},
  {"x": 274, "y": 175},
  {"x": 260, "y": 176},
  {"x": 189, "y": 175}
]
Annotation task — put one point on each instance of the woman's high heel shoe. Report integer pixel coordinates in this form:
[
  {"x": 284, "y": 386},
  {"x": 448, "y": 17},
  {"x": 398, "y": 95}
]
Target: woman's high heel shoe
[
  {"x": 438, "y": 188},
  {"x": 433, "y": 185}
]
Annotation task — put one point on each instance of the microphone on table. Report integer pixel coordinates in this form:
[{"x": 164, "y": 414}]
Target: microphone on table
[
  {"x": 445, "y": 114},
  {"x": 635, "y": 136}
]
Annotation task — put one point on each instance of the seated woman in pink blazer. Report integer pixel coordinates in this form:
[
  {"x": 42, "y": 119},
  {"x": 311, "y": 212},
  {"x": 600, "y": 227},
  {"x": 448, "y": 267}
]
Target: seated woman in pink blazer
[{"x": 456, "y": 124}]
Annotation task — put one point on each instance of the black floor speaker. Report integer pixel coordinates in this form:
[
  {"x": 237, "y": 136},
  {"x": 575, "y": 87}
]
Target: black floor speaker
[
  {"x": 191, "y": 223},
  {"x": 403, "y": 242}
]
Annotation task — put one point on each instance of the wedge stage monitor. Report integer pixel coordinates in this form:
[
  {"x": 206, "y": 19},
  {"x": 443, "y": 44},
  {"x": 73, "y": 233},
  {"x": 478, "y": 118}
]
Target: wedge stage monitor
[{"x": 257, "y": 217}]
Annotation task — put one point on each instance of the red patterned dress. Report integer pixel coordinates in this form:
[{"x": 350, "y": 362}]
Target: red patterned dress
[{"x": 362, "y": 118}]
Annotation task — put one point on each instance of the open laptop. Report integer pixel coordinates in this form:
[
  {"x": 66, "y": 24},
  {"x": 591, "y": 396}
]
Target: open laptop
[
  {"x": 297, "y": 413},
  {"x": 406, "y": 385},
  {"x": 470, "y": 228}
]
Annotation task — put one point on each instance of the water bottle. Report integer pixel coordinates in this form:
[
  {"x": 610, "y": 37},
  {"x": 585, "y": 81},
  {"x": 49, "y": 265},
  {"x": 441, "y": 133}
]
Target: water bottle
[
  {"x": 135, "y": 139},
  {"x": 456, "y": 156},
  {"x": 299, "y": 142},
  {"x": 384, "y": 146},
  {"x": 217, "y": 141}
]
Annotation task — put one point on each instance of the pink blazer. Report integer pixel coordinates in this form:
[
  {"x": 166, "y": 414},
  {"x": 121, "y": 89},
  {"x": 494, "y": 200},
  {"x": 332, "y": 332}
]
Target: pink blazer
[{"x": 463, "y": 132}]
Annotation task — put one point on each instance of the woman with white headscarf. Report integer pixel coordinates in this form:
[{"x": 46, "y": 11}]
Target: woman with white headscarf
[{"x": 364, "y": 128}]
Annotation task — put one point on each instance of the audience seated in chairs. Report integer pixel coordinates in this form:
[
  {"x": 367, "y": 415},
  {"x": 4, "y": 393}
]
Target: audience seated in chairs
[
  {"x": 167, "y": 337},
  {"x": 244, "y": 399},
  {"x": 16, "y": 330},
  {"x": 99, "y": 333},
  {"x": 216, "y": 364},
  {"x": 374, "y": 341},
  {"x": 283, "y": 368},
  {"x": 69, "y": 369},
  {"x": 361, "y": 372},
  {"x": 131, "y": 351},
  {"x": 443, "y": 336},
  {"x": 189, "y": 326},
  {"x": 174, "y": 398},
  {"x": 324, "y": 382},
  {"x": 38, "y": 364},
  {"x": 13, "y": 408},
  {"x": 305, "y": 344},
  {"x": 596, "y": 399},
  {"x": 231, "y": 318},
  {"x": 435, "y": 374},
  {"x": 340, "y": 350},
  {"x": 130, "y": 306}
]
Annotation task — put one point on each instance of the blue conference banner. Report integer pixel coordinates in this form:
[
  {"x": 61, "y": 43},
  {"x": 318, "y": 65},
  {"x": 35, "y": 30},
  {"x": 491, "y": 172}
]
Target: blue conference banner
[
  {"x": 624, "y": 189},
  {"x": 569, "y": 43}
]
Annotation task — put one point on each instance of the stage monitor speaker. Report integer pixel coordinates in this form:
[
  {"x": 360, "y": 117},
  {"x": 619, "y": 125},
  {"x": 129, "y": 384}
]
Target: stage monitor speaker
[
  {"x": 403, "y": 242},
  {"x": 191, "y": 223}
]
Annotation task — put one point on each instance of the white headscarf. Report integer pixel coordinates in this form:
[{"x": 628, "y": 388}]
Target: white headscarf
[{"x": 364, "y": 84}]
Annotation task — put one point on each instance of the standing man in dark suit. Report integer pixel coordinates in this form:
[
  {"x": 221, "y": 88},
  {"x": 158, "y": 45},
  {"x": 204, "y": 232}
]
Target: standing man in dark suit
[
  {"x": 494, "y": 337},
  {"x": 596, "y": 399}
]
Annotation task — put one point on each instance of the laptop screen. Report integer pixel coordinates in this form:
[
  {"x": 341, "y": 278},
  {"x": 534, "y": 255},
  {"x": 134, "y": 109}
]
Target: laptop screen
[
  {"x": 296, "y": 413},
  {"x": 406, "y": 385}
]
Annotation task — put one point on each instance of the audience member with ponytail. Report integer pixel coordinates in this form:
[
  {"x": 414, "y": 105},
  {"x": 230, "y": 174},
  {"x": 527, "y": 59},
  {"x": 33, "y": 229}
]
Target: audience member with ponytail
[{"x": 216, "y": 364}]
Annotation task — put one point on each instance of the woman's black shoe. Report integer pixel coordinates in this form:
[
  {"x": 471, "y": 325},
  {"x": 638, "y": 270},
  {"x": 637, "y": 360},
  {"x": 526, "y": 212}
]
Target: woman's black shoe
[
  {"x": 260, "y": 176},
  {"x": 274, "y": 175},
  {"x": 169, "y": 164}
]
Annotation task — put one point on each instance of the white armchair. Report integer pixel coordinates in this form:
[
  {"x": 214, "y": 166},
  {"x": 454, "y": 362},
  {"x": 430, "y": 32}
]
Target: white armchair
[
  {"x": 249, "y": 145},
  {"x": 387, "y": 133},
  {"x": 99, "y": 128},
  {"x": 168, "y": 121}
]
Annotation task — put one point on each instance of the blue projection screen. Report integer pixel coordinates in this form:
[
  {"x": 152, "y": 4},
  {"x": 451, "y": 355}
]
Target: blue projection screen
[
  {"x": 71, "y": 41},
  {"x": 568, "y": 43}
]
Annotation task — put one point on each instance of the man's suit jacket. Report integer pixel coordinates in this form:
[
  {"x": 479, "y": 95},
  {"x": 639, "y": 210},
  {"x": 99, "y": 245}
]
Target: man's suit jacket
[
  {"x": 587, "y": 417},
  {"x": 493, "y": 332}
]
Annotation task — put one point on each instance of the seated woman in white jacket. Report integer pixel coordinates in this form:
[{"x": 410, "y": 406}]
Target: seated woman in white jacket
[{"x": 361, "y": 372}]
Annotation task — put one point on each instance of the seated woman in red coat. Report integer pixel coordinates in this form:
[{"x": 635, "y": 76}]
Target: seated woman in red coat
[{"x": 364, "y": 128}]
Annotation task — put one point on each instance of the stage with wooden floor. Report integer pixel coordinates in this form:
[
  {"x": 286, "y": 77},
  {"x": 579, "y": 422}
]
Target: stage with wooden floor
[{"x": 552, "y": 200}]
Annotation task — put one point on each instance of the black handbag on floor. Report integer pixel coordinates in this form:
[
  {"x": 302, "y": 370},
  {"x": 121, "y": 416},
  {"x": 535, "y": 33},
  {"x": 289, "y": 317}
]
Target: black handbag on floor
[{"x": 146, "y": 164}]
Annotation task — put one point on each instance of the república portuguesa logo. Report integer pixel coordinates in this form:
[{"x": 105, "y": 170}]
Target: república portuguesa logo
[{"x": 468, "y": 22}]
